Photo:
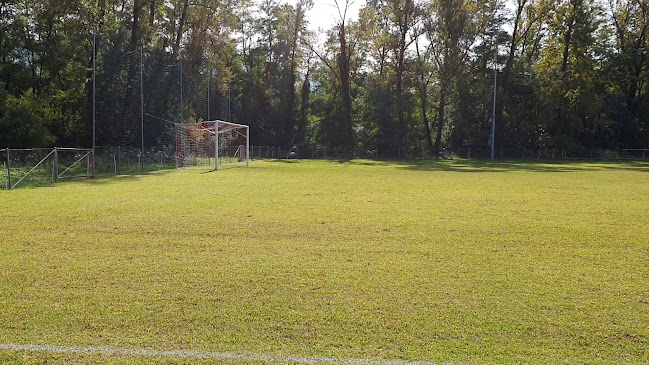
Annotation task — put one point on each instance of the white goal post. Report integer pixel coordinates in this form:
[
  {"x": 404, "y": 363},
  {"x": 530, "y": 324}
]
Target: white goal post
[{"x": 225, "y": 142}]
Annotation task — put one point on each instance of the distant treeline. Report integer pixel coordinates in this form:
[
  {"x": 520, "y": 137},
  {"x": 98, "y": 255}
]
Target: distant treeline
[{"x": 405, "y": 77}]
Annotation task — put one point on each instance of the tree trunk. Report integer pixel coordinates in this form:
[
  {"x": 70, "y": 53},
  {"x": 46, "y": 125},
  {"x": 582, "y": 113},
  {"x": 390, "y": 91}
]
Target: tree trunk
[
  {"x": 345, "y": 81},
  {"x": 424, "y": 107},
  {"x": 559, "y": 122},
  {"x": 89, "y": 85},
  {"x": 400, "y": 112},
  {"x": 137, "y": 6},
  {"x": 423, "y": 95},
  {"x": 132, "y": 80},
  {"x": 506, "y": 81},
  {"x": 152, "y": 6},
  {"x": 638, "y": 57},
  {"x": 505, "y": 84},
  {"x": 305, "y": 93},
  {"x": 441, "y": 111},
  {"x": 290, "y": 103},
  {"x": 181, "y": 26}
]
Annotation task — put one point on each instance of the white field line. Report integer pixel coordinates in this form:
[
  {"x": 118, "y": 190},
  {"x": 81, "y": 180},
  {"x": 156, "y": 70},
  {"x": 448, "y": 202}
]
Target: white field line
[{"x": 202, "y": 355}]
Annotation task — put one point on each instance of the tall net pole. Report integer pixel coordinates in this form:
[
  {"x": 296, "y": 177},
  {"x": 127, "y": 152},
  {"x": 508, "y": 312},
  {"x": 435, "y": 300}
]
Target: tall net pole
[
  {"x": 94, "y": 103},
  {"x": 493, "y": 117},
  {"x": 180, "y": 66},
  {"x": 142, "y": 107}
]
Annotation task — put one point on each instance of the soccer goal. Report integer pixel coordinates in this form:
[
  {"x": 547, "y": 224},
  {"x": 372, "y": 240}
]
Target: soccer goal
[{"x": 212, "y": 143}]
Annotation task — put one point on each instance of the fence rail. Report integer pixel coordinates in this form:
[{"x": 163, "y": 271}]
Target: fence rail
[{"x": 42, "y": 166}]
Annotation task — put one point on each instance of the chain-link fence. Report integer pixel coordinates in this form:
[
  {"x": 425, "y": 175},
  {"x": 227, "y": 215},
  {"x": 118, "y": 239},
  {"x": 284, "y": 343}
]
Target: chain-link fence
[
  {"x": 34, "y": 167},
  {"x": 324, "y": 152},
  {"x": 123, "y": 160},
  {"x": 638, "y": 154}
]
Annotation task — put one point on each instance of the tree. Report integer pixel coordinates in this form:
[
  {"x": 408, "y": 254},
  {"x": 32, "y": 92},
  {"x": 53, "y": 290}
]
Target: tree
[
  {"x": 630, "y": 19},
  {"x": 568, "y": 72},
  {"x": 338, "y": 59},
  {"x": 452, "y": 30}
]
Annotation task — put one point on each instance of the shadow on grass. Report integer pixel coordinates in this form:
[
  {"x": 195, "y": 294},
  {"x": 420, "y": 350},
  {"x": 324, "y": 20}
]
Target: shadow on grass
[
  {"x": 474, "y": 166},
  {"x": 463, "y": 166},
  {"x": 102, "y": 179},
  {"x": 287, "y": 161},
  {"x": 99, "y": 179}
]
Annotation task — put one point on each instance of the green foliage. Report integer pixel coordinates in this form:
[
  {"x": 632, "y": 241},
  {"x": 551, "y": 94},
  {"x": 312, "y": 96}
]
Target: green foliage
[
  {"x": 24, "y": 121},
  {"x": 404, "y": 77}
]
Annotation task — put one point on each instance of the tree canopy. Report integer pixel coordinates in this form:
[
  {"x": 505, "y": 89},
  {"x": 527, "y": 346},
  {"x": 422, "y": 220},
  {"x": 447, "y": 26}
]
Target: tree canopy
[{"x": 406, "y": 76}]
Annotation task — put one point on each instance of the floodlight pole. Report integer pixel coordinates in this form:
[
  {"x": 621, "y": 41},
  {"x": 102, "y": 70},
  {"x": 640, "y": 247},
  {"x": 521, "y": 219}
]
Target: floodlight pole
[
  {"x": 94, "y": 106},
  {"x": 209, "y": 76},
  {"x": 493, "y": 116},
  {"x": 142, "y": 105}
]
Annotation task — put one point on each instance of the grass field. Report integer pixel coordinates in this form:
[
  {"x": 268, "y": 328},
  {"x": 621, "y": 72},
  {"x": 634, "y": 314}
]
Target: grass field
[{"x": 447, "y": 262}]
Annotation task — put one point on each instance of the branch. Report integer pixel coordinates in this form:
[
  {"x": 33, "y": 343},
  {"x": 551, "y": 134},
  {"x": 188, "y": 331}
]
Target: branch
[{"x": 323, "y": 59}]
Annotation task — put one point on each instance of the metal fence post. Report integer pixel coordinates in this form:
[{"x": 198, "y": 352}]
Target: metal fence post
[
  {"x": 8, "y": 170},
  {"x": 56, "y": 164},
  {"x": 8, "y": 166}
]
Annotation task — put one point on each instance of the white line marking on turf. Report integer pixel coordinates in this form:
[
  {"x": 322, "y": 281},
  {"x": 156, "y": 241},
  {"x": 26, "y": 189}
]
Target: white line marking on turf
[{"x": 203, "y": 355}]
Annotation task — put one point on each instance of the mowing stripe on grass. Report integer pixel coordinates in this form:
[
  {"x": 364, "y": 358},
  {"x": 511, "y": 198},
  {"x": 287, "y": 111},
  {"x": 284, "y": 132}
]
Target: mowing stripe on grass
[{"x": 202, "y": 355}]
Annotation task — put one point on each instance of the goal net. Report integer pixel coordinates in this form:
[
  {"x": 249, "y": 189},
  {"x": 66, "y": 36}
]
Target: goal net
[{"x": 212, "y": 143}]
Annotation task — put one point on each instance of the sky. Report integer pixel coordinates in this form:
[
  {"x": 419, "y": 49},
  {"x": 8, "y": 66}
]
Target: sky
[{"x": 324, "y": 14}]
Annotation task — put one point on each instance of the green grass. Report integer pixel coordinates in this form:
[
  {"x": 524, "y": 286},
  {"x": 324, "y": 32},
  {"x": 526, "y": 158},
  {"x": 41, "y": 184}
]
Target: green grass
[{"x": 450, "y": 262}]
